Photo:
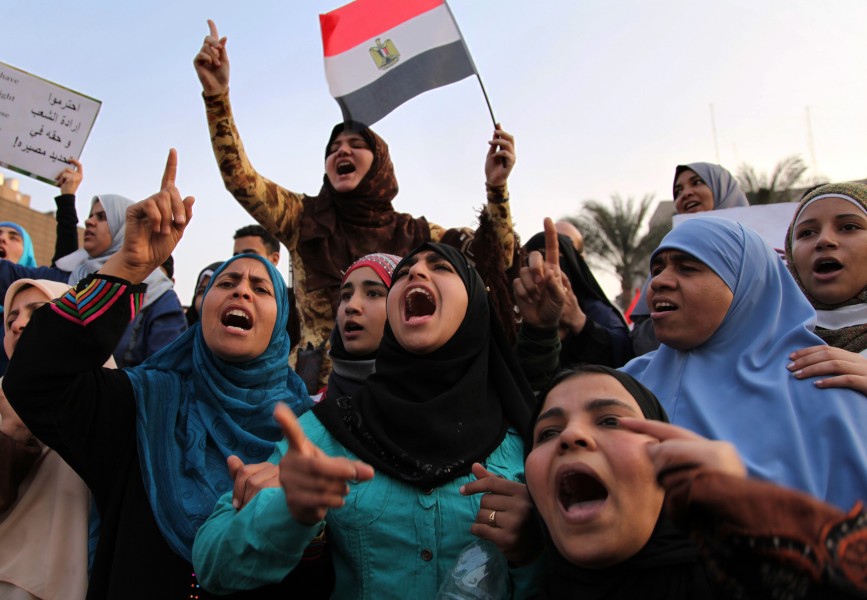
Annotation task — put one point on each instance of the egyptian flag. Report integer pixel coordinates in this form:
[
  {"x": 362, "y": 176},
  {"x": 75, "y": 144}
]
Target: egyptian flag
[{"x": 381, "y": 53}]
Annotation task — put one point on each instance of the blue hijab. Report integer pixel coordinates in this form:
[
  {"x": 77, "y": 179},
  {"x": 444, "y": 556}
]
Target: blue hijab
[
  {"x": 195, "y": 410},
  {"x": 28, "y": 257},
  {"x": 726, "y": 194},
  {"x": 736, "y": 386}
]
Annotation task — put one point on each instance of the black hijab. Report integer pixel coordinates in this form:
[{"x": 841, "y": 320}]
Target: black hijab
[
  {"x": 667, "y": 567},
  {"x": 192, "y": 314},
  {"x": 348, "y": 371},
  {"x": 425, "y": 419},
  {"x": 593, "y": 302}
]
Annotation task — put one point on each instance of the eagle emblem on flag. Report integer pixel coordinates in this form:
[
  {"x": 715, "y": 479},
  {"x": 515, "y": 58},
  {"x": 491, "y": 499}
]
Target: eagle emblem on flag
[{"x": 384, "y": 54}]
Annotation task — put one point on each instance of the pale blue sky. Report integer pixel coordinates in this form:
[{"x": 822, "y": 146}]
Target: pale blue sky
[{"x": 602, "y": 97}]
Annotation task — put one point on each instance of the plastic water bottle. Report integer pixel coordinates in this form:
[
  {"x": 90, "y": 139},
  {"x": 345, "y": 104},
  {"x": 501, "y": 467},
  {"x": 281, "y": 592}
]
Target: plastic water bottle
[{"x": 480, "y": 573}]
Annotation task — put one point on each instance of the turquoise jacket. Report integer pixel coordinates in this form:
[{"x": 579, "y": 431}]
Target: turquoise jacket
[{"x": 390, "y": 540}]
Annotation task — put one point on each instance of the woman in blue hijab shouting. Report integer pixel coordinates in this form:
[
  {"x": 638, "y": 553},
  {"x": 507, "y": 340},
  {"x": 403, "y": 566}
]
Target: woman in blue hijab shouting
[
  {"x": 728, "y": 315},
  {"x": 152, "y": 441}
]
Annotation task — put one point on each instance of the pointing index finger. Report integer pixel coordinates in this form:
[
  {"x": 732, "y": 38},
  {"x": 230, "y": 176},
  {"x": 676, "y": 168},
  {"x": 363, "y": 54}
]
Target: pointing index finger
[
  {"x": 213, "y": 27},
  {"x": 171, "y": 172},
  {"x": 658, "y": 429},
  {"x": 552, "y": 245},
  {"x": 291, "y": 429}
]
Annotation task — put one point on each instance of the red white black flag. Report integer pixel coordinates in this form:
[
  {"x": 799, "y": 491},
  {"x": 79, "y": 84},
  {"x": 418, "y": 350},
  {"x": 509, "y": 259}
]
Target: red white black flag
[{"x": 381, "y": 53}]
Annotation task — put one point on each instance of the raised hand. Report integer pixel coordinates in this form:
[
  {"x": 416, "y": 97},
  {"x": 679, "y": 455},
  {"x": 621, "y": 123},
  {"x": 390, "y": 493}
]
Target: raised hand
[
  {"x": 679, "y": 449},
  {"x": 505, "y": 516},
  {"x": 843, "y": 369},
  {"x": 500, "y": 158},
  {"x": 250, "y": 479},
  {"x": 212, "y": 63},
  {"x": 154, "y": 227},
  {"x": 70, "y": 178},
  {"x": 540, "y": 290},
  {"x": 573, "y": 318},
  {"x": 312, "y": 481}
]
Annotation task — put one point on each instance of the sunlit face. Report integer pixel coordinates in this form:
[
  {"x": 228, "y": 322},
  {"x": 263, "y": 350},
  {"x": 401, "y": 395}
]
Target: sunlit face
[
  {"x": 253, "y": 244},
  {"x": 11, "y": 244},
  {"x": 687, "y": 300},
  {"x": 239, "y": 311},
  {"x": 592, "y": 482},
  {"x": 830, "y": 250},
  {"x": 427, "y": 303},
  {"x": 348, "y": 161},
  {"x": 361, "y": 313},
  {"x": 24, "y": 303},
  {"x": 97, "y": 236},
  {"x": 691, "y": 193}
]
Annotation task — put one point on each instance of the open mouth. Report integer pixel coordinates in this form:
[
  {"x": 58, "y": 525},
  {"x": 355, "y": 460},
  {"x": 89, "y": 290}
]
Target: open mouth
[
  {"x": 663, "y": 306},
  {"x": 237, "y": 319},
  {"x": 826, "y": 265},
  {"x": 419, "y": 303},
  {"x": 581, "y": 489},
  {"x": 2, "y": 252},
  {"x": 689, "y": 206},
  {"x": 352, "y": 326},
  {"x": 345, "y": 167}
]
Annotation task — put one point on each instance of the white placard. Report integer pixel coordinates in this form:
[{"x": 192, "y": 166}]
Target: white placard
[
  {"x": 771, "y": 221},
  {"x": 42, "y": 124}
]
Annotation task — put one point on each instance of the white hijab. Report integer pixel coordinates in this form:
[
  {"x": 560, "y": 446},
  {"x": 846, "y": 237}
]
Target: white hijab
[{"x": 80, "y": 264}]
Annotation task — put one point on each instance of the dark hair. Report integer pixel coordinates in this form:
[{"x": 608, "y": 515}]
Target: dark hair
[
  {"x": 169, "y": 266},
  {"x": 270, "y": 242},
  {"x": 647, "y": 402}
]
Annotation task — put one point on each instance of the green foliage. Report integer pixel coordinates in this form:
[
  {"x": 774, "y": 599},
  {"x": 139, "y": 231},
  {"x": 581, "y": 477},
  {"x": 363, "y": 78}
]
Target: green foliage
[
  {"x": 762, "y": 188},
  {"x": 617, "y": 239}
]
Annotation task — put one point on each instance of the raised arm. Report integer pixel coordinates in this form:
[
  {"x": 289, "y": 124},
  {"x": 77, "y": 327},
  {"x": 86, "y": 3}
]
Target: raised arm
[
  {"x": 275, "y": 208},
  {"x": 66, "y": 216},
  {"x": 56, "y": 383},
  {"x": 499, "y": 162},
  {"x": 212, "y": 63},
  {"x": 154, "y": 227},
  {"x": 541, "y": 293}
]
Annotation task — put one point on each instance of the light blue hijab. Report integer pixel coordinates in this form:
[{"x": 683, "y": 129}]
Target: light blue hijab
[
  {"x": 726, "y": 194},
  {"x": 28, "y": 257},
  {"x": 195, "y": 410},
  {"x": 736, "y": 386}
]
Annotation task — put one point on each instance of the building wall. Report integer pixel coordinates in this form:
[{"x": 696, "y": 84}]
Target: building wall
[{"x": 15, "y": 207}]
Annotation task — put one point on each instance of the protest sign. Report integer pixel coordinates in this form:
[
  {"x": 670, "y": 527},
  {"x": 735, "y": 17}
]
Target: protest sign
[{"x": 42, "y": 124}]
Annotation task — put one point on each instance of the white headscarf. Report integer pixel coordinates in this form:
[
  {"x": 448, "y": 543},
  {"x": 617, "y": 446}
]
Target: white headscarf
[{"x": 80, "y": 264}]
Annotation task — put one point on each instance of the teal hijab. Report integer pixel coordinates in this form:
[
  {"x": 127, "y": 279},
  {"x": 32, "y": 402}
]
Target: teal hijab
[
  {"x": 194, "y": 410},
  {"x": 28, "y": 258}
]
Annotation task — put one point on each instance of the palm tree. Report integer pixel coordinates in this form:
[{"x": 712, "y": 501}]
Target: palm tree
[
  {"x": 613, "y": 238},
  {"x": 762, "y": 189}
]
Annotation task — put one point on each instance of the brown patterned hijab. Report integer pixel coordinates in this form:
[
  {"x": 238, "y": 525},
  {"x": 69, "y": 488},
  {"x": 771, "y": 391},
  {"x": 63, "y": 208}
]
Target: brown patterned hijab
[
  {"x": 339, "y": 227},
  {"x": 854, "y": 337}
]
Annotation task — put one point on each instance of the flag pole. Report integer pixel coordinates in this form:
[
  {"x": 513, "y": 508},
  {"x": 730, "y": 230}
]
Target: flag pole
[{"x": 472, "y": 62}]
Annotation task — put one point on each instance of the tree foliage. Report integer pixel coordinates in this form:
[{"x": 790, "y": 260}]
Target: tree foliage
[
  {"x": 617, "y": 239},
  {"x": 762, "y": 188}
]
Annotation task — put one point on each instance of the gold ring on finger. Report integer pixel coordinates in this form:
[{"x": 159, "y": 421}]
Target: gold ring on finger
[{"x": 492, "y": 518}]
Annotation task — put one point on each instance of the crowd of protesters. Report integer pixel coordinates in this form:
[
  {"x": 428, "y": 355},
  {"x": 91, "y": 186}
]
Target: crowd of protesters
[{"x": 419, "y": 389}]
